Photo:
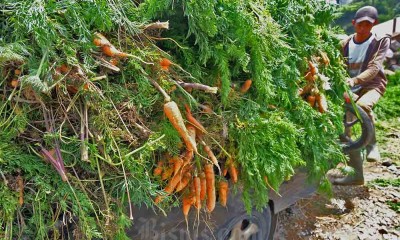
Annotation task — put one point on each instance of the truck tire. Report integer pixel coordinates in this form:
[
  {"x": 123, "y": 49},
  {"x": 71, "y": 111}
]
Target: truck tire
[{"x": 230, "y": 223}]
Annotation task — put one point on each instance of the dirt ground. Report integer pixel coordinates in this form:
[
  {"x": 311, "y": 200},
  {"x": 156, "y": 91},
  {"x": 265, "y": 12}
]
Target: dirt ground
[{"x": 352, "y": 212}]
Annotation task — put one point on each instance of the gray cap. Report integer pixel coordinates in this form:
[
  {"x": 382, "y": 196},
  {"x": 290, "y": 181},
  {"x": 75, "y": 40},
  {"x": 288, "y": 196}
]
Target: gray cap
[{"x": 367, "y": 13}]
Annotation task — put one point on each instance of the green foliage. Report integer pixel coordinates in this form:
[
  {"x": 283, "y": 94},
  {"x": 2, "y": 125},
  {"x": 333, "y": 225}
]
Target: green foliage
[{"x": 389, "y": 105}]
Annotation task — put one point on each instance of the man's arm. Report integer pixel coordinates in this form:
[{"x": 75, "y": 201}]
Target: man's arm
[{"x": 375, "y": 64}]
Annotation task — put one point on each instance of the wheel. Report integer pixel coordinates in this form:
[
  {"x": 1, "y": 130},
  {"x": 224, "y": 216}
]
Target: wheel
[
  {"x": 230, "y": 223},
  {"x": 359, "y": 128},
  {"x": 242, "y": 226}
]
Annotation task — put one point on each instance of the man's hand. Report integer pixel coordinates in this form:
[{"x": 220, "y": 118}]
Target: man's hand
[{"x": 350, "y": 82}]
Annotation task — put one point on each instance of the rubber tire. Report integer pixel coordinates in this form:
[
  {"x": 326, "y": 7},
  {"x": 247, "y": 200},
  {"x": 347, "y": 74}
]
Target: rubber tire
[
  {"x": 150, "y": 225},
  {"x": 367, "y": 131},
  {"x": 265, "y": 220}
]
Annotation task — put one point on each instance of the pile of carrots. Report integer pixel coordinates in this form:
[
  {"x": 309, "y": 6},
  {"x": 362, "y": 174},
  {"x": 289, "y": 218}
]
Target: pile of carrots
[
  {"x": 196, "y": 183},
  {"x": 310, "y": 92}
]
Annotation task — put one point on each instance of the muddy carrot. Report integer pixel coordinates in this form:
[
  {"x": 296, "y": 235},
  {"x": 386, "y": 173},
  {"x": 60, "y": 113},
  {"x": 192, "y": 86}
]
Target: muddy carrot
[
  {"x": 223, "y": 192},
  {"x": 210, "y": 181},
  {"x": 172, "y": 112}
]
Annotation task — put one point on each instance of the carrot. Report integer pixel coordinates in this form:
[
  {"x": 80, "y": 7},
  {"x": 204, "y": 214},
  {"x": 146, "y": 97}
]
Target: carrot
[
  {"x": 165, "y": 63},
  {"x": 184, "y": 182},
  {"x": 211, "y": 155},
  {"x": 210, "y": 181},
  {"x": 17, "y": 72},
  {"x": 224, "y": 171},
  {"x": 203, "y": 186},
  {"x": 114, "y": 61},
  {"x": 178, "y": 163},
  {"x": 313, "y": 69},
  {"x": 325, "y": 58},
  {"x": 63, "y": 68},
  {"x": 14, "y": 83},
  {"x": 311, "y": 100},
  {"x": 193, "y": 120},
  {"x": 246, "y": 86},
  {"x": 192, "y": 132},
  {"x": 172, "y": 112},
  {"x": 322, "y": 103},
  {"x": 111, "y": 51},
  {"x": 187, "y": 202},
  {"x": 233, "y": 173},
  {"x": 158, "y": 170},
  {"x": 187, "y": 157},
  {"x": 167, "y": 173},
  {"x": 20, "y": 183},
  {"x": 99, "y": 40},
  {"x": 223, "y": 192},
  {"x": 309, "y": 77},
  {"x": 197, "y": 192},
  {"x": 170, "y": 187}
]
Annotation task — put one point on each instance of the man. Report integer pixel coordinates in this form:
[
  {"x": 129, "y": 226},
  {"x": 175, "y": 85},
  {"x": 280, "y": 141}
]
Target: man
[{"x": 365, "y": 54}]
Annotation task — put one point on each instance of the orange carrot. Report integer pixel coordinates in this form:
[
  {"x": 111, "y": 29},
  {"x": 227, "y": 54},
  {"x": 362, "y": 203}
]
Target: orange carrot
[
  {"x": 158, "y": 170},
  {"x": 309, "y": 77},
  {"x": 313, "y": 69},
  {"x": 170, "y": 187},
  {"x": 187, "y": 157},
  {"x": 114, "y": 61},
  {"x": 167, "y": 173},
  {"x": 246, "y": 86},
  {"x": 111, "y": 51},
  {"x": 210, "y": 181},
  {"x": 311, "y": 100},
  {"x": 223, "y": 192},
  {"x": 187, "y": 202},
  {"x": 224, "y": 171},
  {"x": 172, "y": 112},
  {"x": 203, "y": 186},
  {"x": 14, "y": 83},
  {"x": 322, "y": 103},
  {"x": 17, "y": 72},
  {"x": 165, "y": 63},
  {"x": 99, "y": 40},
  {"x": 184, "y": 182},
  {"x": 192, "y": 132},
  {"x": 178, "y": 163},
  {"x": 64, "y": 68},
  {"x": 197, "y": 192},
  {"x": 233, "y": 173},
  {"x": 211, "y": 155},
  {"x": 193, "y": 120}
]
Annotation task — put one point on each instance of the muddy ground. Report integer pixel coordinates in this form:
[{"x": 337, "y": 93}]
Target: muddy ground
[{"x": 353, "y": 212}]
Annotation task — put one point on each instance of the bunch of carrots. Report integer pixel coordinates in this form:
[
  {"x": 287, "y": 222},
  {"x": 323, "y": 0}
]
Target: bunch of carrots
[
  {"x": 310, "y": 91},
  {"x": 196, "y": 182}
]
